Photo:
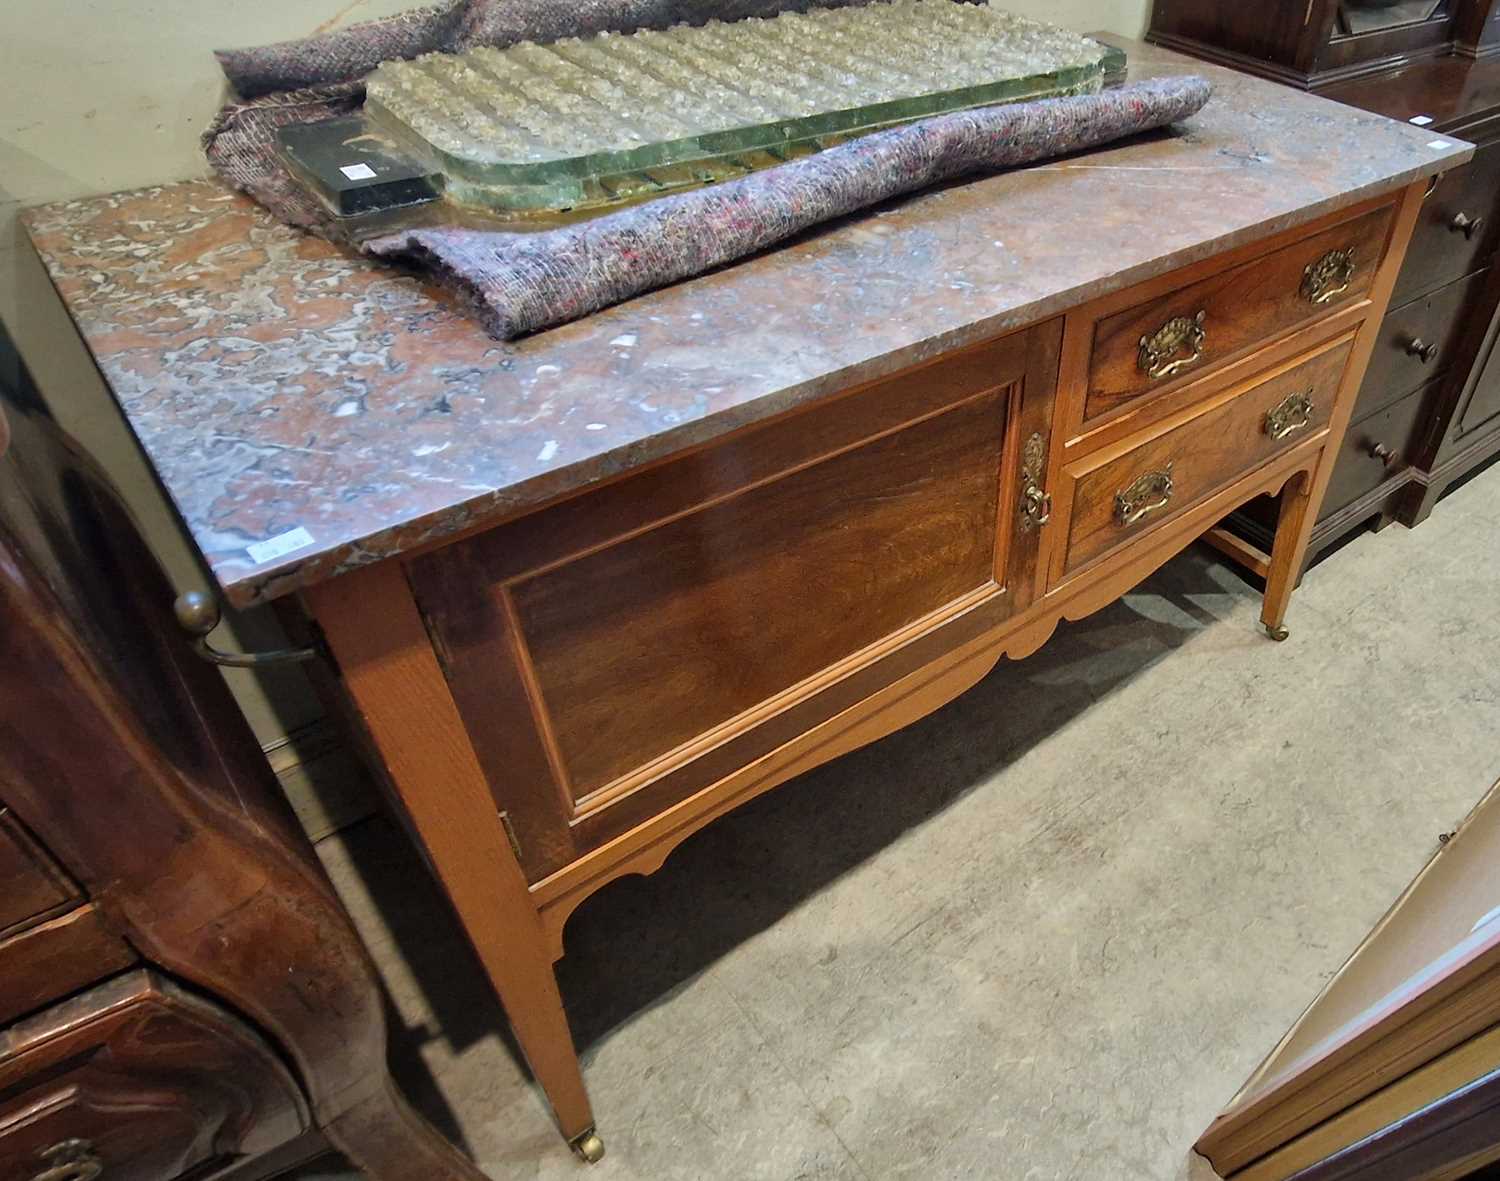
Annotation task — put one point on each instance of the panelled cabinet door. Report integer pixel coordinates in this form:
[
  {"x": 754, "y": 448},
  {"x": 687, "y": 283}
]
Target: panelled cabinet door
[
  {"x": 1481, "y": 406},
  {"x": 1400, "y": 1051},
  {"x": 628, "y": 648}
]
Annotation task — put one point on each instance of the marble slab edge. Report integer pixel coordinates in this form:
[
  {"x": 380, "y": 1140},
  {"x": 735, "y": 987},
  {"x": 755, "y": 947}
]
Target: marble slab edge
[{"x": 389, "y": 531}]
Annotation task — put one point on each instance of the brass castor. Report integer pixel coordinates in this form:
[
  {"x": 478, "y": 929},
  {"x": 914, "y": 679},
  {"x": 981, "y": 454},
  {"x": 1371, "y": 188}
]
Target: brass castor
[
  {"x": 590, "y": 1147},
  {"x": 1277, "y": 633}
]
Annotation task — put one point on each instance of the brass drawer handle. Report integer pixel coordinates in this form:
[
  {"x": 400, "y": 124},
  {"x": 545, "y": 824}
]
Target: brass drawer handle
[
  {"x": 1036, "y": 505},
  {"x": 1468, "y": 226},
  {"x": 70, "y": 1160},
  {"x": 1149, "y": 493},
  {"x": 1293, "y": 413},
  {"x": 1426, "y": 353},
  {"x": 1331, "y": 275},
  {"x": 1159, "y": 351}
]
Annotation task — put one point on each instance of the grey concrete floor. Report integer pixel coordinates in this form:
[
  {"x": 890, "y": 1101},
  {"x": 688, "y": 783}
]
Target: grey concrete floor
[{"x": 1043, "y": 934}]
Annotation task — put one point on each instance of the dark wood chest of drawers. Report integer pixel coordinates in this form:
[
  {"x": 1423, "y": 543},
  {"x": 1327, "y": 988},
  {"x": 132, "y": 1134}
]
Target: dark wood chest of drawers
[
  {"x": 1428, "y": 413},
  {"x": 180, "y": 993}
]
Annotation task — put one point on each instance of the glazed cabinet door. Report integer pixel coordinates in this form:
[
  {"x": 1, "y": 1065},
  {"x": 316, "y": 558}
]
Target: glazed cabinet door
[{"x": 619, "y": 652}]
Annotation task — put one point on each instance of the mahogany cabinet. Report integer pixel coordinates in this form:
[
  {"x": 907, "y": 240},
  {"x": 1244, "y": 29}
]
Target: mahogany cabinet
[
  {"x": 1428, "y": 414},
  {"x": 180, "y": 993},
  {"x": 1316, "y": 43}
]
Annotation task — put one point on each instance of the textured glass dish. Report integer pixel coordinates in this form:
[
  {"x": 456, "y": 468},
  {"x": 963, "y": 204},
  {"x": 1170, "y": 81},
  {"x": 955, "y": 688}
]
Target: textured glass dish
[{"x": 598, "y": 121}]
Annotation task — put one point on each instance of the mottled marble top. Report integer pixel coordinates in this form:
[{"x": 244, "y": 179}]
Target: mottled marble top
[{"x": 279, "y": 384}]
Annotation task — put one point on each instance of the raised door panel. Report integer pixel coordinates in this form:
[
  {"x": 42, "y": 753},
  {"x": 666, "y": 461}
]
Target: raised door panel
[
  {"x": 657, "y": 639},
  {"x": 619, "y": 652},
  {"x": 1482, "y": 406}
]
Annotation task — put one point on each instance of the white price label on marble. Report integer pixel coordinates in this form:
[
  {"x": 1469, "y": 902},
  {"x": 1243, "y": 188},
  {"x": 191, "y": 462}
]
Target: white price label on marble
[
  {"x": 279, "y": 546},
  {"x": 1421, "y": 120}
]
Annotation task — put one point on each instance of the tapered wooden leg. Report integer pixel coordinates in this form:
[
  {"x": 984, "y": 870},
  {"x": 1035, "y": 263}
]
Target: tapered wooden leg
[
  {"x": 392, "y": 677},
  {"x": 1294, "y": 526}
]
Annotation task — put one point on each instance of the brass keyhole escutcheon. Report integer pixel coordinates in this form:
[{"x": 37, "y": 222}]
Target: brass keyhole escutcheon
[
  {"x": 1036, "y": 504},
  {"x": 69, "y": 1160},
  {"x": 1174, "y": 346}
]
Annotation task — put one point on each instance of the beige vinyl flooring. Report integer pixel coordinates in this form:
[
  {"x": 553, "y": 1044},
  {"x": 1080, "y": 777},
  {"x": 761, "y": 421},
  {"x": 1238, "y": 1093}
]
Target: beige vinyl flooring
[{"x": 1043, "y": 934}]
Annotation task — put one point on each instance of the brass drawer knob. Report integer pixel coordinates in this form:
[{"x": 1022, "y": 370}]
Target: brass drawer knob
[
  {"x": 1426, "y": 353},
  {"x": 70, "y": 1160},
  {"x": 1383, "y": 453},
  {"x": 1329, "y": 276},
  {"x": 1293, "y": 413},
  {"x": 1148, "y": 493},
  {"x": 1463, "y": 224},
  {"x": 1175, "y": 345},
  {"x": 1036, "y": 504}
]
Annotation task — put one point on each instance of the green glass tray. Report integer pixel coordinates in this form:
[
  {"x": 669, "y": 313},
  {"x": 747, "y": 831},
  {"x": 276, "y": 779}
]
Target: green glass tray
[{"x": 586, "y": 123}]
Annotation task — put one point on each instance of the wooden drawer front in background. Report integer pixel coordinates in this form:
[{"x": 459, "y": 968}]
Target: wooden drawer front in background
[
  {"x": 1417, "y": 343},
  {"x": 136, "y": 1081},
  {"x": 1378, "y": 446},
  {"x": 599, "y": 646},
  {"x": 53, "y": 958},
  {"x": 1120, "y": 492},
  {"x": 1209, "y": 322},
  {"x": 32, "y": 887},
  {"x": 1447, "y": 243}
]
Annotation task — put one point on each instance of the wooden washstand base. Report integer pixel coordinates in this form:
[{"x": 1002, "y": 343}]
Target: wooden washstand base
[{"x": 561, "y": 699}]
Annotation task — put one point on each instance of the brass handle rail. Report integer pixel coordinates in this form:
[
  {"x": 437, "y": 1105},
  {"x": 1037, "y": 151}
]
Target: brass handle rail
[
  {"x": 1329, "y": 276},
  {"x": 1292, "y": 414},
  {"x": 1162, "y": 352},
  {"x": 1148, "y": 493}
]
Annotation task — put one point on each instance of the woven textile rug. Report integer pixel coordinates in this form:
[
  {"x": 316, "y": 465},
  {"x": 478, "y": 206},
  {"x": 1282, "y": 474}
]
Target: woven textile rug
[{"x": 519, "y": 283}]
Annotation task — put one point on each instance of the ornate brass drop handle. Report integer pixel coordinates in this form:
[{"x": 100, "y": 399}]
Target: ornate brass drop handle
[
  {"x": 1161, "y": 352},
  {"x": 70, "y": 1160},
  {"x": 1036, "y": 505},
  {"x": 1293, "y": 413},
  {"x": 1329, "y": 276},
  {"x": 1150, "y": 492}
]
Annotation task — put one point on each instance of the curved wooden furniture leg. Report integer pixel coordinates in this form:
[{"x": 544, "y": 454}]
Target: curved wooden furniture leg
[
  {"x": 1293, "y": 528},
  {"x": 388, "y": 666}
]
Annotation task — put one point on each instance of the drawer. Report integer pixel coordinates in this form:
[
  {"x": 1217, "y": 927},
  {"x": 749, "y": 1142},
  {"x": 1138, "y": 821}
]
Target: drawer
[
  {"x": 1417, "y": 342},
  {"x": 137, "y": 1081},
  {"x": 1378, "y": 446},
  {"x": 50, "y": 959},
  {"x": 1459, "y": 227},
  {"x": 1157, "y": 345},
  {"x": 32, "y": 887},
  {"x": 1121, "y": 492}
]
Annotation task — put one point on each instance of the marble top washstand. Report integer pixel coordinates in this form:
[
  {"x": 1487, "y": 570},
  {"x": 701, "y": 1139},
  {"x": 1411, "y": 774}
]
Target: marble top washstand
[{"x": 310, "y": 411}]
